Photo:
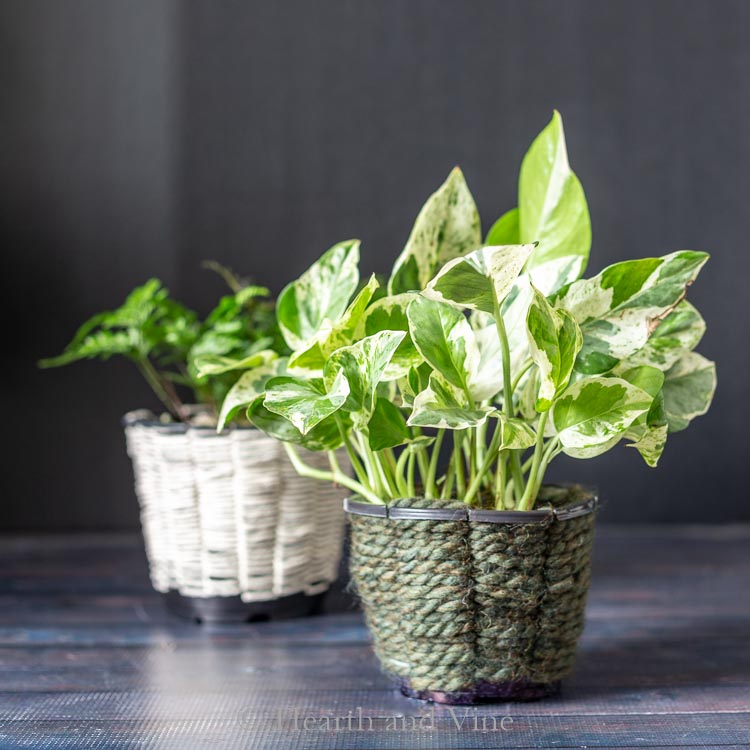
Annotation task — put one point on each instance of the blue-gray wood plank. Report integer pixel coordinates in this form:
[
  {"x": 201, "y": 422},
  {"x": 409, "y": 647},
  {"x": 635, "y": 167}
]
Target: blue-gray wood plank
[{"x": 90, "y": 659}]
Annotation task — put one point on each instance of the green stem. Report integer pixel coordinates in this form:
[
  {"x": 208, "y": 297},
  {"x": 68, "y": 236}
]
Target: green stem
[
  {"x": 515, "y": 461},
  {"x": 335, "y": 475},
  {"x": 167, "y": 396},
  {"x": 458, "y": 461},
  {"x": 410, "y": 474},
  {"x": 529, "y": 495},
  {"x": 429, "y": 485},
  {"x": 489, "y": 459}
]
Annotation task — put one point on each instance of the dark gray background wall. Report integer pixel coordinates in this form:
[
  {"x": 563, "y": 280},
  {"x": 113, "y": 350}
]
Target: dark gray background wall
[{"x": 139, "y": 137}]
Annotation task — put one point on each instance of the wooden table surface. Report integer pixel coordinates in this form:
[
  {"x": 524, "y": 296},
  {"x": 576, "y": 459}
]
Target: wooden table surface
[{"x": 89, "y": 658}]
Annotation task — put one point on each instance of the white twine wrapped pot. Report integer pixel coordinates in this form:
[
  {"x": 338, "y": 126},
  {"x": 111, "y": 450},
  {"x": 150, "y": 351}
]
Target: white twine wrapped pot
[{"x": 226, "y": 514}]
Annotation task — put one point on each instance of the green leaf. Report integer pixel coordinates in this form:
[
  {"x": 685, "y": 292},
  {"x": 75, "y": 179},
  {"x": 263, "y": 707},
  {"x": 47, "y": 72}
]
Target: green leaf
[
  {"x": 553, "y": 212},
  {"x": 387, "y": 427},
  {"x": 554, "y": 341},
  {"x": 338, "y": 334},
  {"x": 689, "y": 388},
  {"x": 362, "y": 365},
  {"x": 480, "y": 280},
  {"x": 444, "y": 338},
  {"x": 447, "y": 226},
  {"x": 214, "y": 365},
  {"x": 305, "y": 403},
  {"x": 320, "y": 296},
  {"x": 648, "y": 432},
  {"x": 594, "y": 413},
  {"x": 324, "y": 436},
  {"x": 516, "y": 433},
  {"x": 680, "y": 331},
  {"x": 621, "y": 307},
  {"x": 250, "y": 387},
  {"x": 442, "y": 406},
  {"x": 505, "y": 230},
  {"x": 389, "y": 314}
]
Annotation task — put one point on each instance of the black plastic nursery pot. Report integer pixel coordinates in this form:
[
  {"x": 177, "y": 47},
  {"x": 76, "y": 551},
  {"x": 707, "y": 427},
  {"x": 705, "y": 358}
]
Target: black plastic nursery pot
[
  {"x": 469, "y": 606},
  {"x": 232, "y": 532}
]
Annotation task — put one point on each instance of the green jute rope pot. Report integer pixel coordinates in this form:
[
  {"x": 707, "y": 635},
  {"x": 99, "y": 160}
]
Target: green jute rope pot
[{"x": 468, "y": 606}]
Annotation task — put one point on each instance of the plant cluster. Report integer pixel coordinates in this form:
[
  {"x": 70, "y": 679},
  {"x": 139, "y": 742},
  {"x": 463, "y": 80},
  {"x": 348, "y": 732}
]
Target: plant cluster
[
  {"x": 173, "y": 349},
  {"x": 495, "y": 352}
]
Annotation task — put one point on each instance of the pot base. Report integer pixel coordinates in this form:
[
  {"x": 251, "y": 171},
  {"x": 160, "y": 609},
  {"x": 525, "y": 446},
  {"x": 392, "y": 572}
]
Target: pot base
[
  {"x": 486, "y": 692},
  {"x": 231, "y": 609}
]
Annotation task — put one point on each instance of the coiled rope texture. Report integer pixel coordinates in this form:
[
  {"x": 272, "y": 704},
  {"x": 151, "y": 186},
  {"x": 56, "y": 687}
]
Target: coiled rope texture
[{"x": 453, "y": 604}]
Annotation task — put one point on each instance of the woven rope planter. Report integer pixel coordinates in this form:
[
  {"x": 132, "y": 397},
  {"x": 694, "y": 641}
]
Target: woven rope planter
[
  {"x": 227, "y": 516},
  {"x": 467, "y": 606}
]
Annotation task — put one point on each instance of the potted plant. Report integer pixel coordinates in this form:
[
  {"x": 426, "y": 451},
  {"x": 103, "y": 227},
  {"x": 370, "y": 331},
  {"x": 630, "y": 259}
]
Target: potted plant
[
  {"x": 496, "y": 356},
  {"x": 231, "y": 531}
]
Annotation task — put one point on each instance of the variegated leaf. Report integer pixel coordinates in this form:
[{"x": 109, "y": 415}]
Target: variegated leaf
[
  {"x": 553, "y": 212},
  {"x": 444, "y": 338},
  {"x": 363, "y": 365},
  {"x": 447, "y": 226},
  {"x": 248, "y": 388},
  {"x": 554, "y": 341},
  {"x": 597, "y": 411},
  {"x": 481, "y": 279},
  {"x": 305, "y": 403},
  {"x": 648, "y": 433},
  {"x": 680, "y": 331},
  {"x": 321, "y": 294},
  {"x": 334, "y": 334},
  {"x": 443, "y": 406},
  {"x": 389, "y": 314},
  {"x": 689, "y": 387},
  {"x": 622, "y": 306},
  {"x": 326, "y": 435},
  {"x": 516, "y": 433}
]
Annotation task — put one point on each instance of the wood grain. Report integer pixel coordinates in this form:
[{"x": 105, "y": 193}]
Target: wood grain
[{"x": 90, "y": 658}]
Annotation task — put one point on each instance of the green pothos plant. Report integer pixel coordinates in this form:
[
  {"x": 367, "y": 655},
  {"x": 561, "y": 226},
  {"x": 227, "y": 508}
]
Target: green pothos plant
[
  {"x": 495, "y": 349},
  {"x": 169, "y": 344}
]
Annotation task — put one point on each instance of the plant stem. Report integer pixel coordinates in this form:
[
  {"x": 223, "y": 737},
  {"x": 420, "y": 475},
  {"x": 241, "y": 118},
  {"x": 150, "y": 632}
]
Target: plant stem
[
  {"x": 486, "y": 465},
  {"x": 167, "y": 396},
  {"x": 515, "y": 461},
  {"x": 335, "y": 475},
  {"x": 429, "y": 483},
  {"x": 529, "y": 495},
  {"x": 458, "y": 461}
]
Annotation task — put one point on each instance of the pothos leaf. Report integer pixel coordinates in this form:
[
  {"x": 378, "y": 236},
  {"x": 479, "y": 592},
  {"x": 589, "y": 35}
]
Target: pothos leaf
[
  {"x": 505, "y": 230},
  {"x": 389, "y": 314},
  {"x": 321, "y": 294},
  {"x": 326, "y": 435},
  {"x": 554, "y": 340},
  {"x": 595, "y": 412},
  {"x": 387, "y": 427},
  {"x": 516, "y": 433},
  {"x": 333, "y": 335},
  {"x": 305, "y": 403},
  {"x": 553, "y": 212},
  {"x": 689, "y": 388},
  {"x": 622, "y": 306},
  {"x": 447, "y": 226},
  {"x": 443, "y": 406},
  {"x": 362, "y": 365},
  {"x": 481, "y": 279},
  {"x": 250, "y": 387}
]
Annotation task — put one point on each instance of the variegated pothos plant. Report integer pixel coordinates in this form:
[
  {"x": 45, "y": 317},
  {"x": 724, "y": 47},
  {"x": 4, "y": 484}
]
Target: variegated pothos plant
[{"x": 497, "y": 345}]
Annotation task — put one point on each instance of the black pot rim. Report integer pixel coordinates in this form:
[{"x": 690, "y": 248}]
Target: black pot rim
[{"x": 589, "y": 504}]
